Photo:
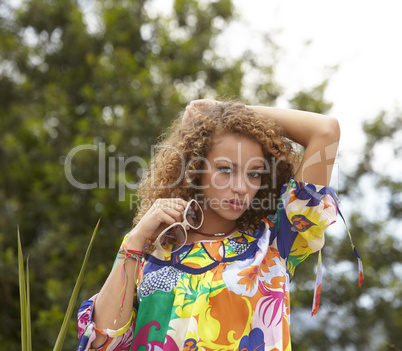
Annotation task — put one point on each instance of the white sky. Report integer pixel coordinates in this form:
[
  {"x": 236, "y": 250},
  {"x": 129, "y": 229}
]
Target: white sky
[
  {"x": 364, "y": 39},
  {"x": 361, "y": 37}
]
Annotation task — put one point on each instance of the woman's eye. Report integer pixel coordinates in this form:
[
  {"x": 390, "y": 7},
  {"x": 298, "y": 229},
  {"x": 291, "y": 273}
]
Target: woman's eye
[
  {"x": 255, "y": 175},
  {"x": 226, "y": 170}
]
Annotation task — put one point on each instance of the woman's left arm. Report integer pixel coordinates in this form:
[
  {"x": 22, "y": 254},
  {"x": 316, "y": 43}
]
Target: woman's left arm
[{"x": 318, "y": 134}]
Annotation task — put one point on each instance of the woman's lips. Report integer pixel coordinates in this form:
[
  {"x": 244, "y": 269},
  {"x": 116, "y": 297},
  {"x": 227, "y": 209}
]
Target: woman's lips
[{"x": 236, "y": 205}]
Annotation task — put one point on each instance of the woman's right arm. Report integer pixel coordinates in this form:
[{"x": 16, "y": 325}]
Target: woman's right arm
[{"x": 107, "y": 313}]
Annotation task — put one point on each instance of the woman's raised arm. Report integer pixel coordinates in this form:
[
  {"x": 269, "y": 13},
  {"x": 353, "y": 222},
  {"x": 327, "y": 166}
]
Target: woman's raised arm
[{"x": 318, "y": 134}]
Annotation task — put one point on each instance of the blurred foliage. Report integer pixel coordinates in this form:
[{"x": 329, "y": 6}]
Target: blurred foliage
[
  {"x": 366, "y": 318},
  {"x": 102, "y": 79},
  {"x": 86, "y": 88}
]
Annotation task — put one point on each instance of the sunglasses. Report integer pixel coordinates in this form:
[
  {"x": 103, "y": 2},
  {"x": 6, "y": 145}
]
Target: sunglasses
[{"x": 174, "y": 237}]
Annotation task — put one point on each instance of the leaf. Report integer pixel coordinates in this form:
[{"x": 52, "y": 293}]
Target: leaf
[
  {"x": 28, "y": 311},
  {"x": 64, "y": 328},
  {"x": 23, "y": 298}
]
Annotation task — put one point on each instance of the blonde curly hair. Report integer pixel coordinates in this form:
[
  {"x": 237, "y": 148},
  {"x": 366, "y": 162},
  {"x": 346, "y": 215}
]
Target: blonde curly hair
[{"x": 183, "y": 147}]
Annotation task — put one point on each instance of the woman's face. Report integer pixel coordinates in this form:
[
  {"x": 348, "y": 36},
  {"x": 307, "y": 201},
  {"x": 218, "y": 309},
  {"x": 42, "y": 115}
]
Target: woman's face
[{"x": 231, "y": 176}]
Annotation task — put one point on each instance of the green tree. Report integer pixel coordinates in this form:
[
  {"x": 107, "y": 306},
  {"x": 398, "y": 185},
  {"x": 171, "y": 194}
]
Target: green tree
[
  {"x": 108, "y": 78},
  {"x": 375, "y": 187},
  {"x": 101, "y": 81},
  {"x": 366, "y": 318}
]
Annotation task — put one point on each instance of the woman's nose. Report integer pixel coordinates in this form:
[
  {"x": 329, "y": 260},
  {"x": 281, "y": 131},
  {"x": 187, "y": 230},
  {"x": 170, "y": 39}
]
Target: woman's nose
[{"x": 239, "y": 185}]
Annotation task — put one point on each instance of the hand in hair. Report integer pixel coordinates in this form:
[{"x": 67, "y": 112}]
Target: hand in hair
[{"x": 188, "y": 112}]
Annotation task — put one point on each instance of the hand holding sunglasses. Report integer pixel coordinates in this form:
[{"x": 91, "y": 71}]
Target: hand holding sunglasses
[{"x": 174, "y": 237}]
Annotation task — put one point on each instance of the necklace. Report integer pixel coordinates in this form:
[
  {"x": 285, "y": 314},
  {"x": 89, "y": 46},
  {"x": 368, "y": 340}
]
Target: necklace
[{"x": 216, "y": 234}]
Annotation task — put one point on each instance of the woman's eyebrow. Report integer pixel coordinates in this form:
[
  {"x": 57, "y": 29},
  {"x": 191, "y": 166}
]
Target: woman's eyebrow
[
  {"x": 225, "y": 159},
  {"x": 257, "y": 167},
  {"x": 234, "y": 164}
]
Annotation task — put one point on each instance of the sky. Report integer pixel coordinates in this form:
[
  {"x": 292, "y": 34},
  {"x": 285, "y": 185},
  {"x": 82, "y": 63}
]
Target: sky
[{"x": 361, "y": 37}]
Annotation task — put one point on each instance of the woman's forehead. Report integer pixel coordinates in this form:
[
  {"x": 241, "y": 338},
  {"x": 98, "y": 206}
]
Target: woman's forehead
[{"x": 236, "y": 149}]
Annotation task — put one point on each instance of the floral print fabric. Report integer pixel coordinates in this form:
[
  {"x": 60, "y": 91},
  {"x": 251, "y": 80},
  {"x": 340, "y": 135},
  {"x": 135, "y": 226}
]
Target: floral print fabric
[{"x": 226, "y": 294}]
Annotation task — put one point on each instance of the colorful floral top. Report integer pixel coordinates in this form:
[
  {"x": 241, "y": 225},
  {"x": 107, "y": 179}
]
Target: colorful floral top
[{"x": 227, "y": 294}]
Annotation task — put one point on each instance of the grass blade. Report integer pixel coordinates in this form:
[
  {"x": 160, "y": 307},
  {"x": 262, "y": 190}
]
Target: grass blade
[
  {"x": 23, "y": 307},
  {"x": 28, "y": 311},
  {"x": 63, "y": 331}
]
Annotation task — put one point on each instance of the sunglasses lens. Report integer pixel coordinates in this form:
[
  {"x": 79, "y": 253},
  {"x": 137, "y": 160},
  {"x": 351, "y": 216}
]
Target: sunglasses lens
[
  {"x": 175, "y": 236},
  {"x": 194, "y": 215}
]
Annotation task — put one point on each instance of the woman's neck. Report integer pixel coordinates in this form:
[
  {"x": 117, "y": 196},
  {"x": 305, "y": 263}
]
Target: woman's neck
[{"x": 216, "y": 234}]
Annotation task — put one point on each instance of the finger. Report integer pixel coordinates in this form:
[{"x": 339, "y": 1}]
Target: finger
[
  {"x": 172, "y": 199},
  {"x": 175, "y": 214},
  {"x": 186, "y": 115},
  {"x": 166, "y": 218},
  {"x": 175, "y": 209},
  {"x": 175, "y": 203},
  {"x": 180, "y": 208},
  {"x": 204, "y": 102},
  {"x": 178, "y": 200}
]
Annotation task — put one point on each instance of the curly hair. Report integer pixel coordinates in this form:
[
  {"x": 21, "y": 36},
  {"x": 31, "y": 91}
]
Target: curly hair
[{"x": 181, "y": 151}]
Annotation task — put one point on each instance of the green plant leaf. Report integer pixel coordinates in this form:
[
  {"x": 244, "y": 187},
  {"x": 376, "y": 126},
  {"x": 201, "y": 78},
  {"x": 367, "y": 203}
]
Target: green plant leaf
[
  {"x": 63, "y": 331},
  {"x": 28, "y": 310},
  {"x": 23, "y": 301}
]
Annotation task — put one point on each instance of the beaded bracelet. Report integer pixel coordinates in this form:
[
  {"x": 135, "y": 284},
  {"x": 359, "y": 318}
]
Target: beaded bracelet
[{"x": 125, "y": 254}]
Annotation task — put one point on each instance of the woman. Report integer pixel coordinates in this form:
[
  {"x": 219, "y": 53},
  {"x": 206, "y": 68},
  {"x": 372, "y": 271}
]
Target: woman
[{"x": 228, "y": 211}]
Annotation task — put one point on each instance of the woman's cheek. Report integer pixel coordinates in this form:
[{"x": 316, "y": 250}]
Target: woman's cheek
[{"x": 220, "y": 181}]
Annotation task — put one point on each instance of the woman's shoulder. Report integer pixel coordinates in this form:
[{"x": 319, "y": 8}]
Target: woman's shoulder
[{"x": 306, "y": 191}]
